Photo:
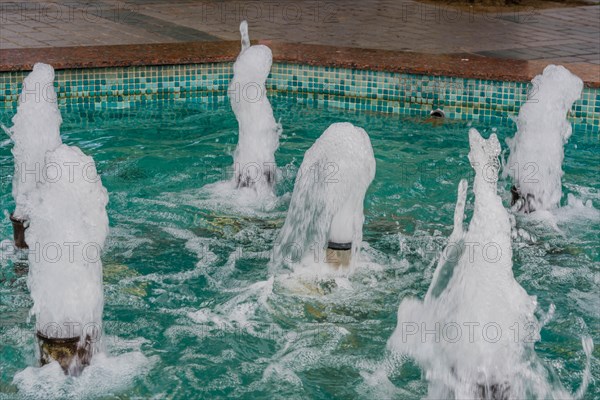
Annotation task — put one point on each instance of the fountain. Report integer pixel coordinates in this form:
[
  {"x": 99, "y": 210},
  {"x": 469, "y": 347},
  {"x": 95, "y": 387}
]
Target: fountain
[
  {"x": 68, "y": 228},
  {"x": 536, "y": 150},
  {"x": 474, "y": 332},
  {"x": 254, "y": 157},
  {"x": 326, "y": 209},
  {"x": 57, "y": 191},
  {"x": 35, "y": 131}
]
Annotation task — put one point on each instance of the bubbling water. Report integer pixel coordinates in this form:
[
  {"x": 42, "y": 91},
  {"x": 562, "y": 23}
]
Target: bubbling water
[
  {"x": 35, "y": 131},
  {"x": 536, "y": 150},
  {"x": 474, "y": 333},
  {"x": 254, "y": 157},
  {"x": 327, "y": 202}
]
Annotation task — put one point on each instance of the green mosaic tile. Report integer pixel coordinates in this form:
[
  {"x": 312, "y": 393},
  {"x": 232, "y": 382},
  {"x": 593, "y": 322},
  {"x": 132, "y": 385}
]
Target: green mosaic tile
[{"x": 401, "y": 94}]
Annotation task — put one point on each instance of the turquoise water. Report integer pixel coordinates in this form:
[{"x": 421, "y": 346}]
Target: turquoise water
[{"x": 186, "y": 280}]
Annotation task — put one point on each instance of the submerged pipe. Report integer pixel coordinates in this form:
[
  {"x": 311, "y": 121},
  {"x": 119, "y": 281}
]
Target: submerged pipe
[
  {"x": 495, "y": 391},
  {"x": 339, "y": 246},
  {"x": 245, "y": 181},
  {"x": 338, "y": 254},
  {"x": 72, "y": 354},
  {"x": 19, "y": 232},
  {"x": 438, "y": 113},
  {"x": 523, "y": 204}
]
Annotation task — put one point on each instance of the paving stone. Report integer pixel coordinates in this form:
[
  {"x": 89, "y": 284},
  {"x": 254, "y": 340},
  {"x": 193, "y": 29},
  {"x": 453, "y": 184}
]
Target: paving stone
[{"x": 403, "y": 25}]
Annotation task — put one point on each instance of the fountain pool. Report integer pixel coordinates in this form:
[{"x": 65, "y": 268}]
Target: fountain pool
[{"x": 185, "y": 268}]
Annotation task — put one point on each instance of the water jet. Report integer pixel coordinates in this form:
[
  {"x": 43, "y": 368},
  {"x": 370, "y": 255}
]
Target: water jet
[
  {"x": 69, "y": 216},
  {"x": 254, "y": 156},
  {"x": 35, "y": 131},
  {"x": 537, "y": 149},
  {"x": 326, "y": 210},
  {"x": 473, "y": 289},
  {"x": 63, "y": 211}
]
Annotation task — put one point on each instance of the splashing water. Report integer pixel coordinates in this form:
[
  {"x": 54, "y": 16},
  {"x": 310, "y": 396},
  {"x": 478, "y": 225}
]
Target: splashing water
[
  {"x": 474, "y": 333},
  {"x": 104, "y": 375},
  {"x": 35, "y": 131},
  {"x": 68, "y": 228},
  {"x": 254, "y": 157},
  {"x": 327, "y": 202},
  {"x": 536, "y": 150}
]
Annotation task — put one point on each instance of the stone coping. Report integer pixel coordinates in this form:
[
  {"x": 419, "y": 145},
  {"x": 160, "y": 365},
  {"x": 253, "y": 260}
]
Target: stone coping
[{"x": 453, "y": 65}]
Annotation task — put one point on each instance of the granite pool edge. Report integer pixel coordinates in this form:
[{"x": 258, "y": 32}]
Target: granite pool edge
[{"x": 461, "y": 66}]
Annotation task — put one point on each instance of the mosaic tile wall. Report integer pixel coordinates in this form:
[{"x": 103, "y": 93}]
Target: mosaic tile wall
[{"x": 484, "y": 101}]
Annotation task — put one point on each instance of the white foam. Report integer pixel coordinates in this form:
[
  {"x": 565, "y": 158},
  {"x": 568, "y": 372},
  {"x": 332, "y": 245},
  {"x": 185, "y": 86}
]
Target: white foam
[
  {"x": 575, "y": 216},
  {"x": 577, "y": 209},
  {"x": 105, "y": 376},
  {"x": 227, "y": 196},
  {"x": 239, "y": 312}
]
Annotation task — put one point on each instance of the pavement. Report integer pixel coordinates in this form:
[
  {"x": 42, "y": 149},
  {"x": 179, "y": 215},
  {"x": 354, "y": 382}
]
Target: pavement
[{"x": 569, "y": 35}]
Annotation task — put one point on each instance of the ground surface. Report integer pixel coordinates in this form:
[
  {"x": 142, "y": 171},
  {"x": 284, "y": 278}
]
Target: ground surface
[
  {"x": 561, "y": 34},
  {"x": 504, "y": 6}
]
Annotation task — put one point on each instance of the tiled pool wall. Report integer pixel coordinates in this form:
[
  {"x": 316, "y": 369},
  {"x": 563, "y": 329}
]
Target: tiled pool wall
[{"x": 483, "y": 101}]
